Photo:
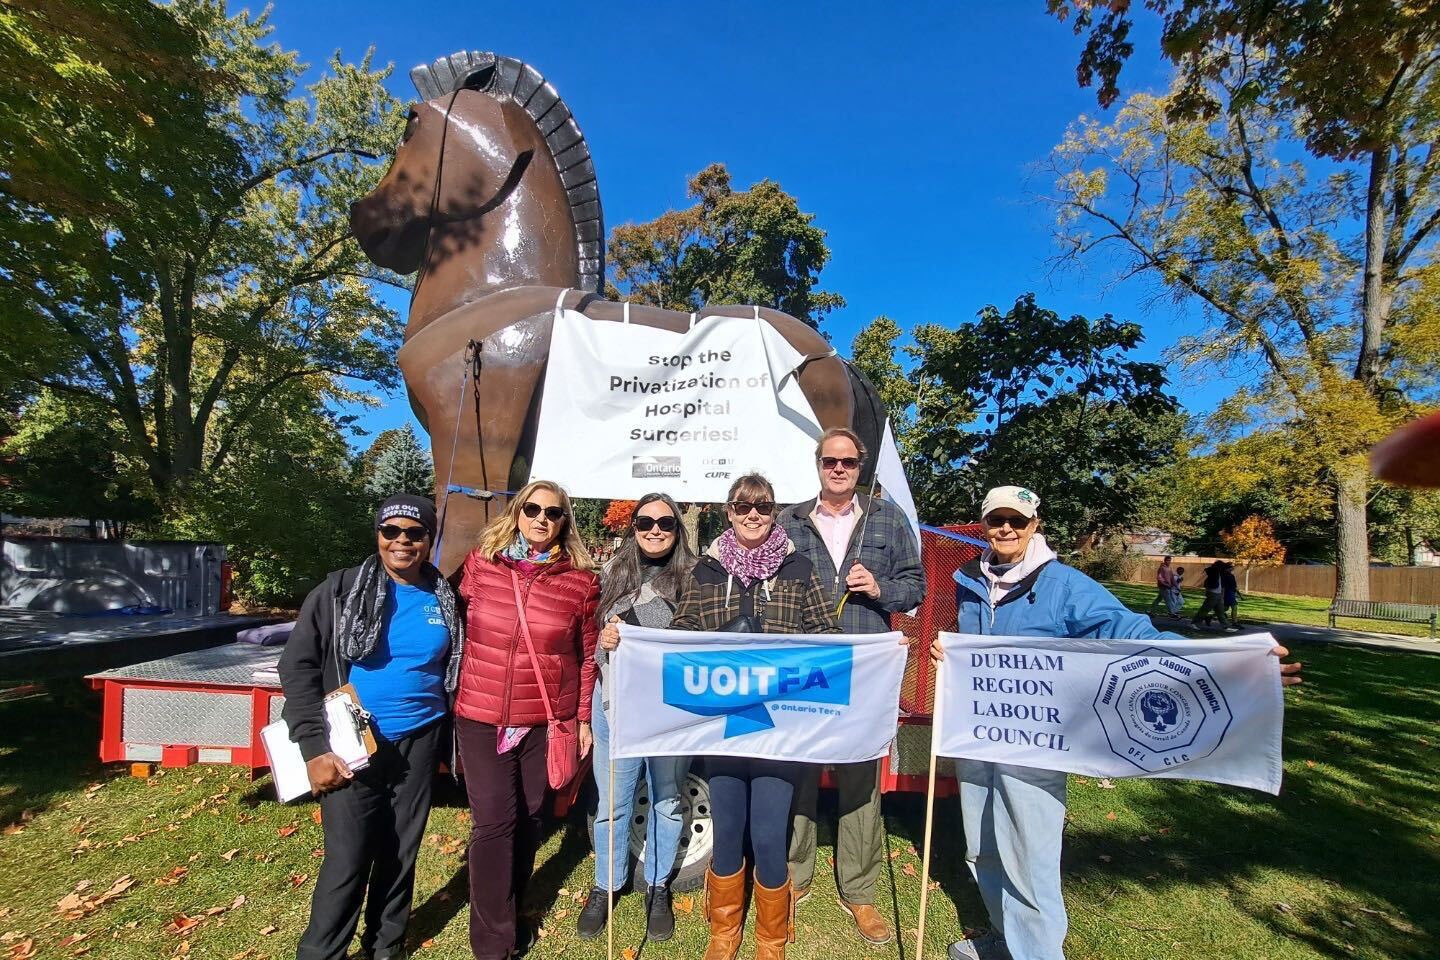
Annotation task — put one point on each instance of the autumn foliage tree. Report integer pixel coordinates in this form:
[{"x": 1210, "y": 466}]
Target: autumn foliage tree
[
  {"x": 617, "y": 515},
  {"x": 1252, "y": 542}
]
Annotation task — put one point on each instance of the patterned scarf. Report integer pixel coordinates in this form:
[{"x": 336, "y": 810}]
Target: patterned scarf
[
  {"x": 757, "y": 564},
  {"x": 519, "y": 551},
  {"x": 362, "y": 613}
]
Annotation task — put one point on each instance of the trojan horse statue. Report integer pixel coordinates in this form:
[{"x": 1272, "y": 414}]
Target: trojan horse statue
[{"x": 492, "y": 198}]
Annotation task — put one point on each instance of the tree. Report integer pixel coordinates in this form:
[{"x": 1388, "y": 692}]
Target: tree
[
  {"x": 618, "y": 514},
  {"x": 1310, "y": 274},
  {"x": 750, "y": 247},
  {"x": 187, "y": 298},
  {"x": 1027, "y": 397},
  {"x": 1253, "y": 543},
  {"x": 396, "y": 463}
]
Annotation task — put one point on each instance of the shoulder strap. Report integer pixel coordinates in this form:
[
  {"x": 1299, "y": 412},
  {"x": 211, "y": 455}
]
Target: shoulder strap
[{"x": 530, "y": 645}]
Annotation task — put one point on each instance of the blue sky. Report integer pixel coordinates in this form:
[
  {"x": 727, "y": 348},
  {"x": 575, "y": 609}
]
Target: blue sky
[{"x": 911, "y": 133}]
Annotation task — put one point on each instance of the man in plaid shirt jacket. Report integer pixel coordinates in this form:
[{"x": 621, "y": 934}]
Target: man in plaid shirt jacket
[{"x": 882, "y": 575}]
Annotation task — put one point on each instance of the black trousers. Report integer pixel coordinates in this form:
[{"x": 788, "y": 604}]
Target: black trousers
[
  {"x": 507, "y": 797},
  {"x": 373, "y": 829}
]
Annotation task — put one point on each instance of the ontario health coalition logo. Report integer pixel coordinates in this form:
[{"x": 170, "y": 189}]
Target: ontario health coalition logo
[
  {"x": 1159, "y": 710},
  {"x": 746, "y": 686}
]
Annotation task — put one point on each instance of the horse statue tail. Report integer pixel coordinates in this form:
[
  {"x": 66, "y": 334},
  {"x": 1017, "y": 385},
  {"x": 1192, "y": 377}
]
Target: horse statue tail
[
  {"x": 868, "y": 419},
  {"x": 505, "y": 78}
]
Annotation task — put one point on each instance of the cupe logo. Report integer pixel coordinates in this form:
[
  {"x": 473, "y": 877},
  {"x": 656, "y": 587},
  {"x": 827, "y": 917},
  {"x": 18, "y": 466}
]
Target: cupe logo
[{"x": 739, "y": 685}]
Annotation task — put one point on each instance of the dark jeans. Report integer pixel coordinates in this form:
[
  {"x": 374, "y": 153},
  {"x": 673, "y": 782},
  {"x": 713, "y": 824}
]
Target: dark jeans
[
  {"x": 372, "y": 829},
  {"x": 751, "y": 798},
  {"x": 507, "y": 795}
]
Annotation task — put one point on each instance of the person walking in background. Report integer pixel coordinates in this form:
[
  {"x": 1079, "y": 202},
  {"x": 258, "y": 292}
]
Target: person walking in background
[
  {"x": 751, "y": 580},
  {"x": 390, "y": 628},
  {"x": 1230, "y": 591},
  {"x": 1014, "y": 817},
  {"x": 865, "y": 555},
  {"x": 1164, "y": 583},
  {"x": 641, "y": 585},
  {"x": 1214, "y": 603},
  {"x": 1175, "y": 596},
  {"x": 531, "y": 597}
]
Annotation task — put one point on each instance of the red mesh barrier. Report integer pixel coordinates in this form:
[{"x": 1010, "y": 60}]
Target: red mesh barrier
[{"x": 941, "y": 556}]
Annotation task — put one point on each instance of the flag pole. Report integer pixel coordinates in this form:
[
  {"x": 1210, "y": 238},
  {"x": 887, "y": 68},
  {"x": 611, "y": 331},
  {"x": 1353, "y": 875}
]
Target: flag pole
[
  {"x": 610, "y": 822},
  {"x": 935, "y": 727}
]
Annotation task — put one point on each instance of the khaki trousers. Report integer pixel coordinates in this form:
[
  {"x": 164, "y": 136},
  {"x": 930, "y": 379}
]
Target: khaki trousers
[{"x": 859, "y": 839}]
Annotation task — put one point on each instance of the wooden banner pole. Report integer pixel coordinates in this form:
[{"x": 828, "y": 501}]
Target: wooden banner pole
[{"x": 935, "y": 727}]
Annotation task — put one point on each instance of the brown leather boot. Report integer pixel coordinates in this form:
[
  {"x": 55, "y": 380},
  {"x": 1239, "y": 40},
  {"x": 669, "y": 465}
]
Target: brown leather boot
[
  {"x": 725, "y": 909},
  {"x": 774, "y": 921}
]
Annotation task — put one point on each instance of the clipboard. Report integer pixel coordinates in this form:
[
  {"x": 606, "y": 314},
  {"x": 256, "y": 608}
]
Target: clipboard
[{"x": 347, "y": 728}]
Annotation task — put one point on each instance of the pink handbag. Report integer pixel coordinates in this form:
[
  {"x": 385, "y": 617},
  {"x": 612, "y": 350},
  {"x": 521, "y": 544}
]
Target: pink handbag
[{"x": 562, "y": 737}]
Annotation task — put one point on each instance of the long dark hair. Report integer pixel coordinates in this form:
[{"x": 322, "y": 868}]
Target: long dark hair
[{"x": 622, "y": 577}]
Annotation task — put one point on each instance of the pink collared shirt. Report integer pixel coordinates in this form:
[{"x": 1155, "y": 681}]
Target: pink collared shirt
[{"x": 836, "y": 528}]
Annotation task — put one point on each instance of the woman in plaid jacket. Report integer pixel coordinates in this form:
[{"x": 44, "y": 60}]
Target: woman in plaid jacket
[{"x": 751, "y": 580}]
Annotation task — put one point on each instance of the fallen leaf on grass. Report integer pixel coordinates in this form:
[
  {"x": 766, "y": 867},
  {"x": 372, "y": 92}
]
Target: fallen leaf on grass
[
  {"x": 71, "y": 940},
  {"x": 286, "y": 831},
  {"x": 173, "y": 877},
  {"x": 1310, "y": 764},
  {"x": 216, "y": 911},
  {"x": 266, "y": 931},
  {"x": 894, "y": 854},
  {"x": 182, "y": 924},
  {"x": 1110, "y": 815},
  {"x": 934, "y": 885},
  {"x": 1105, "y": 783},
  {"x": 1283, "y": 907},
  {"x": 562, "y": 913},
  {"x": 229, "y": 855},
  {"x": 23, "y": 950},
  {"x": 298, "y": 879},
  {"x": 685, "y": 904},
  {"x": 908, "y": 870},
  {"x": 628, "y": 953},
  {"x": 315, "y": 815},
  {"x": 12, "y": 829},
  {"x": 427, "y": 944}
]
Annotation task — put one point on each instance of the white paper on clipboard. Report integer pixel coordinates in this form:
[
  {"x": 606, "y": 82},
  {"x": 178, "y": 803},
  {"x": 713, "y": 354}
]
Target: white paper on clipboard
[{"x": 287, "y": 766}]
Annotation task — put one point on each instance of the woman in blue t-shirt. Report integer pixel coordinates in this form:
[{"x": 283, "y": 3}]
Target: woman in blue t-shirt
[{"x": 389, "y": 628}]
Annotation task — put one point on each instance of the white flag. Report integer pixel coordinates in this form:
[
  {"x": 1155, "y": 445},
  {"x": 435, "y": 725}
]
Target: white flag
[
  {"x": 827, "y": 698},
  {"x": 1195, "y": 709}
]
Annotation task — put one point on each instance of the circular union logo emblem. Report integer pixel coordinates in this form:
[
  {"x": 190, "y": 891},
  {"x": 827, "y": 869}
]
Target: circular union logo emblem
[{"x": 1160, "y": 711}]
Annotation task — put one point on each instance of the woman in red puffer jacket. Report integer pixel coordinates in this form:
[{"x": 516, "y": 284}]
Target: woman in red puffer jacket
[{"x": 532, "y": 552}]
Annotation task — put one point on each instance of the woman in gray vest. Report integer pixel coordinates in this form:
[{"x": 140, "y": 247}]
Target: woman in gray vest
[{"x": 640, "y": 585}]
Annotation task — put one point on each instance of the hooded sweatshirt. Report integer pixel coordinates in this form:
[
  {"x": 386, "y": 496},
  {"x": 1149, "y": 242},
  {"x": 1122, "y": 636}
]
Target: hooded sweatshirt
[{"x": 1002, "y": 578}]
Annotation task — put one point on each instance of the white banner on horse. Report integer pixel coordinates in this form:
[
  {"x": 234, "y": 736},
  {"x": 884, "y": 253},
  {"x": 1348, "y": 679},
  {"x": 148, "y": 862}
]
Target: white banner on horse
[
  {"x": 1194, "y": 709},
  {"x": 828, "y": 698},
  {"x": 629, "y": 409}
]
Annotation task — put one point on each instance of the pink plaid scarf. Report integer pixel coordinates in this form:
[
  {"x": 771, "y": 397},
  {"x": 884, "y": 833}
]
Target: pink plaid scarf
[{"x": 757, "y": 564}]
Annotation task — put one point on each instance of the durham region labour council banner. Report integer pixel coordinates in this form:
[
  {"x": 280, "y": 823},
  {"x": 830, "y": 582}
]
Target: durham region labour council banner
[
  {"x": 825, "y": 698},
  {"x": 1190, "y": 709}
]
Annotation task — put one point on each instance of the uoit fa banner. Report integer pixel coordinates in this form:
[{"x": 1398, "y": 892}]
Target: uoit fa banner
[
  {"x": 629, "y": 409},
  {"x": 1196, "y": 709},
  {"x": 819, "y": 699}
]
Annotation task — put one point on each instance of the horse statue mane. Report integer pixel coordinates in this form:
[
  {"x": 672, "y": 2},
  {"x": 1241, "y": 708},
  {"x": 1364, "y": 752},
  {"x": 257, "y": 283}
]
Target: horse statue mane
[
  {"x": 505, "y": 78},
  {"x": 492, "y": 199}
]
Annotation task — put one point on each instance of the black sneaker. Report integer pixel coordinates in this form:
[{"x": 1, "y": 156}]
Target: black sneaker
[
  {"x": 593, "y": 915},
  {"x": 660, "y": 914}
]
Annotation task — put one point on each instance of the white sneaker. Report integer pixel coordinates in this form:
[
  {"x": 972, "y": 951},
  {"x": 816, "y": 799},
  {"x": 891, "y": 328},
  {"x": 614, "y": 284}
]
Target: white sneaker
[{"x": 989, "y": 946}]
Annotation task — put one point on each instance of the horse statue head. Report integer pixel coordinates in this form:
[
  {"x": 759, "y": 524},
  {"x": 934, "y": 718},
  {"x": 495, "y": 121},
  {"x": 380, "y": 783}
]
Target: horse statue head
[{"x": 492, "y": 187}]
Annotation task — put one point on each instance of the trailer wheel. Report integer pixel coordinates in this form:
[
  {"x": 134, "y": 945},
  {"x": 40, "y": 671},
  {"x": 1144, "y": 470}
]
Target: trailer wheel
[{"x": 692, "y": 858}]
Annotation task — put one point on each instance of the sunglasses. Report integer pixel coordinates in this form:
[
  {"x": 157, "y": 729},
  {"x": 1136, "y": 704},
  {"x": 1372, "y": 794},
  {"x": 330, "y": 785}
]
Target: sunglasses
[
  {"x": 392, "y": 531},
  {"x": 849, "y": 463},
  {"x": 1016, "y": 523},
  {"x": 764, "y": 507},
  {"x": 645, "y": 524},
  {"x": 553, "y": 514}
]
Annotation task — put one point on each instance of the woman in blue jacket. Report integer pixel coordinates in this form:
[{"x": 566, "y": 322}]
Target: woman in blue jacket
[{"x": 1015, "y": 816}]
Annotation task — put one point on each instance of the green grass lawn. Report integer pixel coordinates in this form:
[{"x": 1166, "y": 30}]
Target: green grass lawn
[
  {"x": 1346, "y": 862},
  {"x": 1272, "y": 608}
]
